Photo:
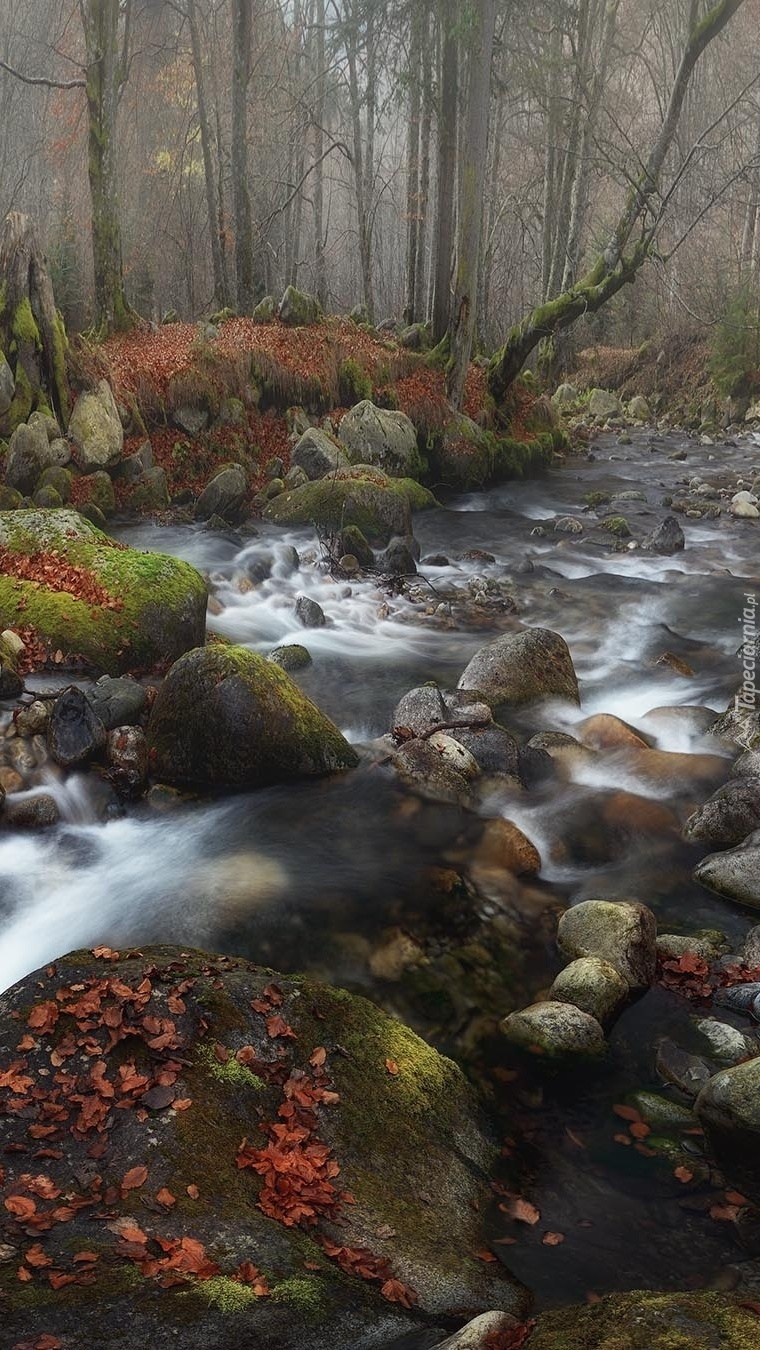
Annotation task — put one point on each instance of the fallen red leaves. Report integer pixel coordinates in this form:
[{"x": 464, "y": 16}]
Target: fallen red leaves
[
  {"x": 691, "y": 977},
  {"x": 511, "y": 1338},
  {"x": 53, "y": 572}
]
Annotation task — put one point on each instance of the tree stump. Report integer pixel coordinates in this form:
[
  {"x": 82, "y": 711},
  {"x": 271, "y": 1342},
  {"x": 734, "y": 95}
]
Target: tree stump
[{"x": 32, "y": 334}]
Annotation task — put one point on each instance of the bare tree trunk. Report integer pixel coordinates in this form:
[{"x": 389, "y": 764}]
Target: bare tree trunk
[
  {"x": 447, "y": 154},
  {"x": 614, "y": 268},
  {"x": 474, "y": 160},
  {"x": 320, "y": 262},
  {"x": 553, "y": 118},
  {"x": 751, "y": 215},
  {"x": 363, "y": 161},
  {"x": 242, "y": 24},
  {"x": 413, "y": 164},
  {"x": 221, "y": 293},
  {"x": 31, "y": 329},
  {"x": 104, "y": 79},
  {"x": 424, "y": 191}
]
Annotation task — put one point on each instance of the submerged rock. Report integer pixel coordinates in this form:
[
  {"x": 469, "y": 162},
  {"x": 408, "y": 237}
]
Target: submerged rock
[
  {"x": 621, "y": 932},
  {"x": 132, "y": 609},
  {"x": 239, "y": 1085},
  {"x": 226, "y": 717},
  {"x": 522, "y": 668}
]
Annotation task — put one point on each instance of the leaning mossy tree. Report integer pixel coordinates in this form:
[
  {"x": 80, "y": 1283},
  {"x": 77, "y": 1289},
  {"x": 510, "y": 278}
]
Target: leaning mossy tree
[
  {"x": 633, "y": 240},
  {"x": 32, "y": 333}
]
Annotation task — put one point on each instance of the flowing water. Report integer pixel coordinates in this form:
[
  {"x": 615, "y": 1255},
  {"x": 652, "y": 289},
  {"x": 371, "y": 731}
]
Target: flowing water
[{"x": 315, "y": 876}]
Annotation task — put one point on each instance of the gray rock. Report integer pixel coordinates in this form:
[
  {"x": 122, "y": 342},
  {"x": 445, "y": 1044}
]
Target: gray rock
[
  {"x": 387, "y": 440},
  {"x": 424, "y": 771},
  {"x": 193, "y": 421},
  {"x": 96, "y": 431},
  {"x": 397, "y": 560},
  {"x": 688, "y": 1073},
  {"x": 594, "y": 986},
  {"x": 734, "y": 873},
  {"x": 727, "y": 1043},
  {"x": 750, "y": 949},
  {"x": 639, "y": 409},
  {"x": 33, "y": 720},
  {"x": 309, "y": 613},
  {"x": 223, "y": 495},
  {"x": 603, "y": 405},
  {"x": 28, "y": 457},
  {"x": 621, "y": 932},
  {"x": 118, "y": 701},
  {"x": 452, "y": 752},
  {"x": 75, "y": 732},
  {"x": 568, "y": 525},
  {"x": 298, "y": 309},
  {"x": 521, "y": 668},
  {"x": 494, "y": 749},
  {"x": 728, "y": 1109},
  {"x": 150, "y": 492},
  {"x": 564, "y": 394},
  {"x": 427, "y": 706},
  {"x": 732, "y": 813},
  {"x": 667, "y": 538},
  {"x": 555, "y": 1030},
  {"x": 317, "y": 455},
  {"x": 134, "y": 466}
]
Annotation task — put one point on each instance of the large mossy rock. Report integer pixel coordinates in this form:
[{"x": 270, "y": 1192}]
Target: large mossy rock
[
  {"x": 728, "y": 1108},
  {"x": 383, "y": 438},
  {"x": 226, "y": 717},
  {"x": 377, "y": 505},
  {"x": 96, "y": 430},
  {"x": 468, "y": 457},
  {"x": 520, "y": 668},
  {"x": 298, "y": 309},
  {"x": 208, "y": 1114},
  {"x": 126, "y": 611},
  {"x": 650, "y": 1321}
]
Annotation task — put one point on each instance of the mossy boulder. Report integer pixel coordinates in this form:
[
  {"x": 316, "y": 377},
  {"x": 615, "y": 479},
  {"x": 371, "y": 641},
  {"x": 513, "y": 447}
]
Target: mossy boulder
[
  {"x": 96, "y": 431},
  {"x": 98, "y": 491},
  {"x": 150, "y": 491},
  {"x": 226, "y": 717},
  {"x": 379, "y": 506},
  {"x": 386, "y": 440},
  {"x": 728, "y": 1108},
  {"x": 29, "y": 454},
  {"x": 649, "y": 1321},
  {"x": 317, "y": 454},
  {"x": 59, "y": 478},
  {"x": 265, "y": 311},
  {"x": 7, "y": 385},
  {"x": 130, "y": 610},
  {"x": 221, "y": 1070},
  {"x": 298, "y": 309}
]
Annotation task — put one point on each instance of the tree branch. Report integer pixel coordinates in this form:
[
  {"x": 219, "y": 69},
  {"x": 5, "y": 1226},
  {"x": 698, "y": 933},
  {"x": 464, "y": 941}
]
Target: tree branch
[{"x": 41, "y": 81}]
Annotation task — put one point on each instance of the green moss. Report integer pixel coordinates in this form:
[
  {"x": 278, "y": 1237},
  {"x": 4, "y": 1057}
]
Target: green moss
[
  {"x": 617, "y": 525},
  {"x": 649, "y": 1321},
  {"x": 354, "y": 383},
  {"x": 231, "y": 1071},
  {"x": 163, "y": 599},
  {"x": 594, "y": 499},
  {"x": 228, "y": 1296},
  {"x": 23, "y": 402},
  {"x": 24, "y": 325},
  {"x": 306, "y": 1294}
]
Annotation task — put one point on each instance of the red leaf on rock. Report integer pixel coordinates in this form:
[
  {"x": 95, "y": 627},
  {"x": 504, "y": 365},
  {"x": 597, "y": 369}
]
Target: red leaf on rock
[
  {"x": 134, "y": 1178},
  {"x": 277, "y": 1026}
]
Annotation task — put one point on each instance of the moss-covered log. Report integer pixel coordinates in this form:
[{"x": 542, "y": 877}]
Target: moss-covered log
[{"x": 32, "y": 334}]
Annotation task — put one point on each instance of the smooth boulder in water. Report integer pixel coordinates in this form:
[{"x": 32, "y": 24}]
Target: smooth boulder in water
[
  {"x": 226, "y": 717},
  {"x": 734, "y": 873},
  {"x": 728, "y": 1109},
  {"x": 255, "y": 1163},
  {"x": 732, "y": 813},
  {"x": 559, "y": 1031},
  {"x": 524, "y": 667}
]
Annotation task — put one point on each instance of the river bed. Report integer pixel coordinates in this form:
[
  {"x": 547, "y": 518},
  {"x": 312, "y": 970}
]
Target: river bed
[{"x": 316, "y": 876}]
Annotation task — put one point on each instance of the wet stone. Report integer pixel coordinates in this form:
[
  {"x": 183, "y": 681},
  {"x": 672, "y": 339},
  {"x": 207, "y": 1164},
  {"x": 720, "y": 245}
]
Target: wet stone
[{"x": 75, "y": 732}]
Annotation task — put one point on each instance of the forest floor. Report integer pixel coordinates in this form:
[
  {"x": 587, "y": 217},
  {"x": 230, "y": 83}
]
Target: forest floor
[
  {"x": 673, "y": 372},
  {"x": 270, "y": 368}
]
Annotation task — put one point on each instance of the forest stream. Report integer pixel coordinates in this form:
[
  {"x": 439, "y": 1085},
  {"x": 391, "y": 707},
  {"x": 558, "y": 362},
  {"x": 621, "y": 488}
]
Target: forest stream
[{"x": 315, "y": 876}]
